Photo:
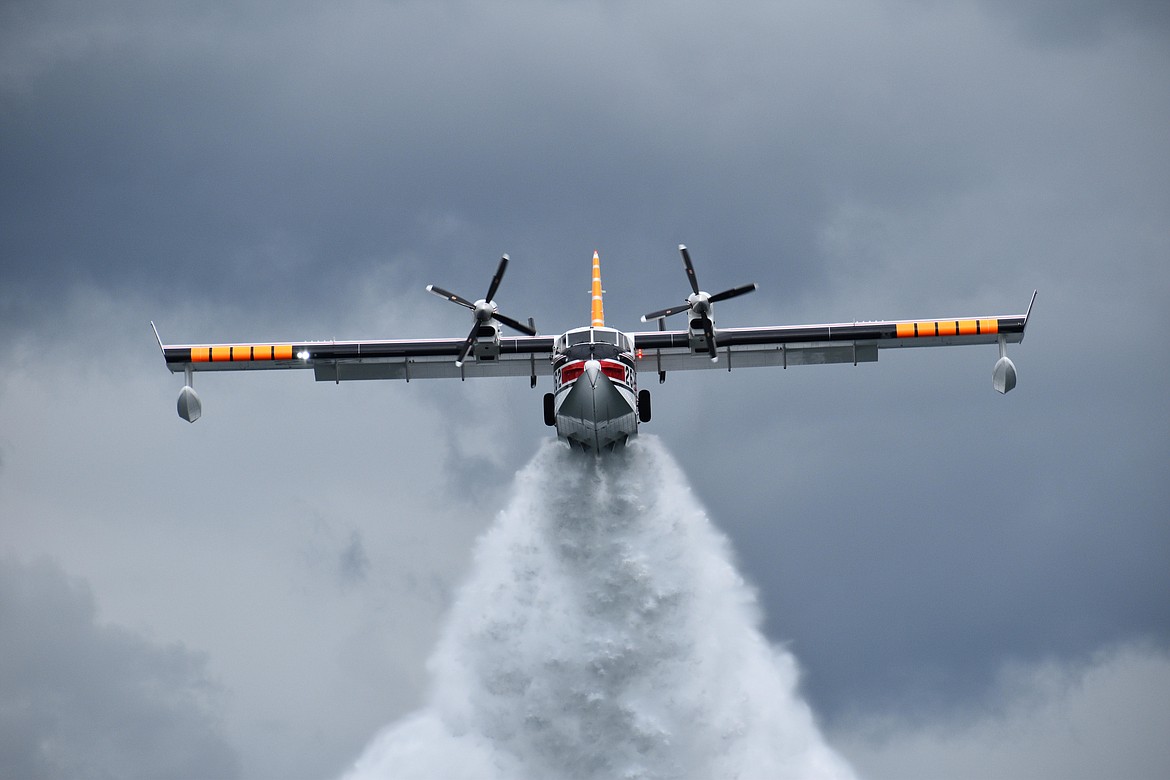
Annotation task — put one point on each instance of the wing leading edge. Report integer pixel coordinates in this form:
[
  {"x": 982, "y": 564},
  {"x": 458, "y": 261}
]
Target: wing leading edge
[
  {"x": 337, "y": 361},
  {"x": 789, "y": 345},
  {"x": 794, "y": 345},
  {"x": 661, "y": 351}
]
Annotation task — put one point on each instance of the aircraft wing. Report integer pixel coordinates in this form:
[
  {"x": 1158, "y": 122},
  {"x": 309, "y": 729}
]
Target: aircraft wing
[
  {"x": 795, "y": 345},
  {"x": 338, "y": 361}
]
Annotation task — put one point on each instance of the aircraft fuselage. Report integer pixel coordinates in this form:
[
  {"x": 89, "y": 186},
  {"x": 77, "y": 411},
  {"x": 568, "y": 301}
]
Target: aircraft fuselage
[{"x": 595, "y": 397}]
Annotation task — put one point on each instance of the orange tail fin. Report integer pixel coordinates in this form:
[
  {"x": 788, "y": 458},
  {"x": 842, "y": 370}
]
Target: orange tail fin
[{"x": 598, "y": 309}]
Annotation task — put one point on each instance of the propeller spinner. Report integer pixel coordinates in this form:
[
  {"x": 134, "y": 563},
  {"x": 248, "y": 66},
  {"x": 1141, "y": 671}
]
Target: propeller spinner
[
  {"x": 699, "y": 303},
  {"x": 484, "y": 309}
]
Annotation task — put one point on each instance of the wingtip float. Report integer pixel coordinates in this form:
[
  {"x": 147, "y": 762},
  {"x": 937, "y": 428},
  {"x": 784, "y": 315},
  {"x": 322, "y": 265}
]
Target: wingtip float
[{"x": 596, "y": 403}]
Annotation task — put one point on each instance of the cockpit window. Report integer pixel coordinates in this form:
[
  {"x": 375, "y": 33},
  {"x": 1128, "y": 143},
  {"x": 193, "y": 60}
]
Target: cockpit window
[
  {"x": 594, "y": 340},
  {"x": 587, "y": 351}
]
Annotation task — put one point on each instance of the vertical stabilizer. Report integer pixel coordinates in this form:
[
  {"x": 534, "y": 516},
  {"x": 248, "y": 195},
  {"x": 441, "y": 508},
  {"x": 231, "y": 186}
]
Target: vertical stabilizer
[{"x": 598, "y": 320}]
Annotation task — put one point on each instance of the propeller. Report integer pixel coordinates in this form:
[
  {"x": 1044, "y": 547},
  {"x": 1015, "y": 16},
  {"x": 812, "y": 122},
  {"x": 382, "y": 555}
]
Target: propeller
[
  {"x": 699, "y": 302},
  {"x": 484, "y": 309}
]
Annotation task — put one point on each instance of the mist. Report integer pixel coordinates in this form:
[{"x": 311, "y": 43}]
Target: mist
[{"x": 604, "y": 632}]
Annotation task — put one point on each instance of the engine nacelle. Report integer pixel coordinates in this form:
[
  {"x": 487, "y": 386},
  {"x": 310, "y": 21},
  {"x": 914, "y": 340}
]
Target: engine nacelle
[{"x": 487, "y": 341}]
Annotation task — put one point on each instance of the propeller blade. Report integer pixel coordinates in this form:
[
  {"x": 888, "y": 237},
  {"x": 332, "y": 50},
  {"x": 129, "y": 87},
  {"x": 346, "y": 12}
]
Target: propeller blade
[
  {"x": 709, "y": 331},
  {"x": 656, "y": 315},
  {"x": 734, "y": 292},
  {"x": 467, "y": 345},
  {"x": 499, "y": 277},
  {"x": 690, "y": 269},
  {"x": 439, "y": 291},
  {"x": 514, "y": 325}
]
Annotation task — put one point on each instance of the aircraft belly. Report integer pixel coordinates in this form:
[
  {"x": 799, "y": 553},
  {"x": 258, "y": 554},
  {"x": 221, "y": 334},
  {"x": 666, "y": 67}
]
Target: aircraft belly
[{"x": 596, "y": 417}]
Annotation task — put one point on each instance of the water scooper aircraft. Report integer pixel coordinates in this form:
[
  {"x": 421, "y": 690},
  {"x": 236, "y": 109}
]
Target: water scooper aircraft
[{"x": 596, "y": 404}]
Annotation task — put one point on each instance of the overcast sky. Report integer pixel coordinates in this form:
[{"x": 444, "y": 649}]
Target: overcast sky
[{"x": 968, "y": 581}]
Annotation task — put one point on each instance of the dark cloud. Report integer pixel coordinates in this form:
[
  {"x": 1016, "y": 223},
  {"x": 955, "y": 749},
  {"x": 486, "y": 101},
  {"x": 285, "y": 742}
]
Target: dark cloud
[
  {"x": 353, "y": 564},
  {"x": 255, "y": 171},
  {"x": 1083, "y": 22},
  {"x": 1085, "y": 720},
  {"x": 81, "y": 699},
  {"x": 256, "y": 159}
]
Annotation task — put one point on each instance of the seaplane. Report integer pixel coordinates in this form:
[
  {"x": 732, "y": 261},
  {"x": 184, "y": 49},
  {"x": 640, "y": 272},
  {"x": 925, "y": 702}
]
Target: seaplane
[{"x": 595, "y": 403}]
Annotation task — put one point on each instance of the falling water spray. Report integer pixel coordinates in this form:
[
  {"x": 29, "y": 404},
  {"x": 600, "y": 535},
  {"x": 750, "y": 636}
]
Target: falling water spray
[{"x": 604, "y": 633}]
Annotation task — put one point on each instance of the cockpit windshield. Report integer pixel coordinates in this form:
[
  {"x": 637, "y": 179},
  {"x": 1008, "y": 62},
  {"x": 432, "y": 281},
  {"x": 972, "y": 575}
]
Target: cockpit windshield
[{"x": 587, "y": 336}]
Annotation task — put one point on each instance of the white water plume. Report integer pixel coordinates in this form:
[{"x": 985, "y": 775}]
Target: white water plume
[{"x": 604, "y": 633}]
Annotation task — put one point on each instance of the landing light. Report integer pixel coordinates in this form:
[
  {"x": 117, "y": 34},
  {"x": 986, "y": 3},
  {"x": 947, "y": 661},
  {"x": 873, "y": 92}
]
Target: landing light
[{"x": 303, "y": 354}]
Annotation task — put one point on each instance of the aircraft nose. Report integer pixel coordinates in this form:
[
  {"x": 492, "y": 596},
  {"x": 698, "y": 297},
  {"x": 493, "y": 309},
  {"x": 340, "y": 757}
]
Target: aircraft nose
[{"x": 592, "y": 369}]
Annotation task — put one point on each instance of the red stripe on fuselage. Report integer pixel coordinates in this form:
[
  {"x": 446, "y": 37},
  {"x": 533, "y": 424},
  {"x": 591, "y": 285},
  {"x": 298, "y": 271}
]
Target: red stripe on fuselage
[{"x": 613, "y": 369}]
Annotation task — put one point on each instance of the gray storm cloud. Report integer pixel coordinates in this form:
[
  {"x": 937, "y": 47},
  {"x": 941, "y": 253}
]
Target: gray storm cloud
[
  {"x": 251, "y": 171},
  {"x": 605, "y": 633},
  {"x": 81, "y": 699}
]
